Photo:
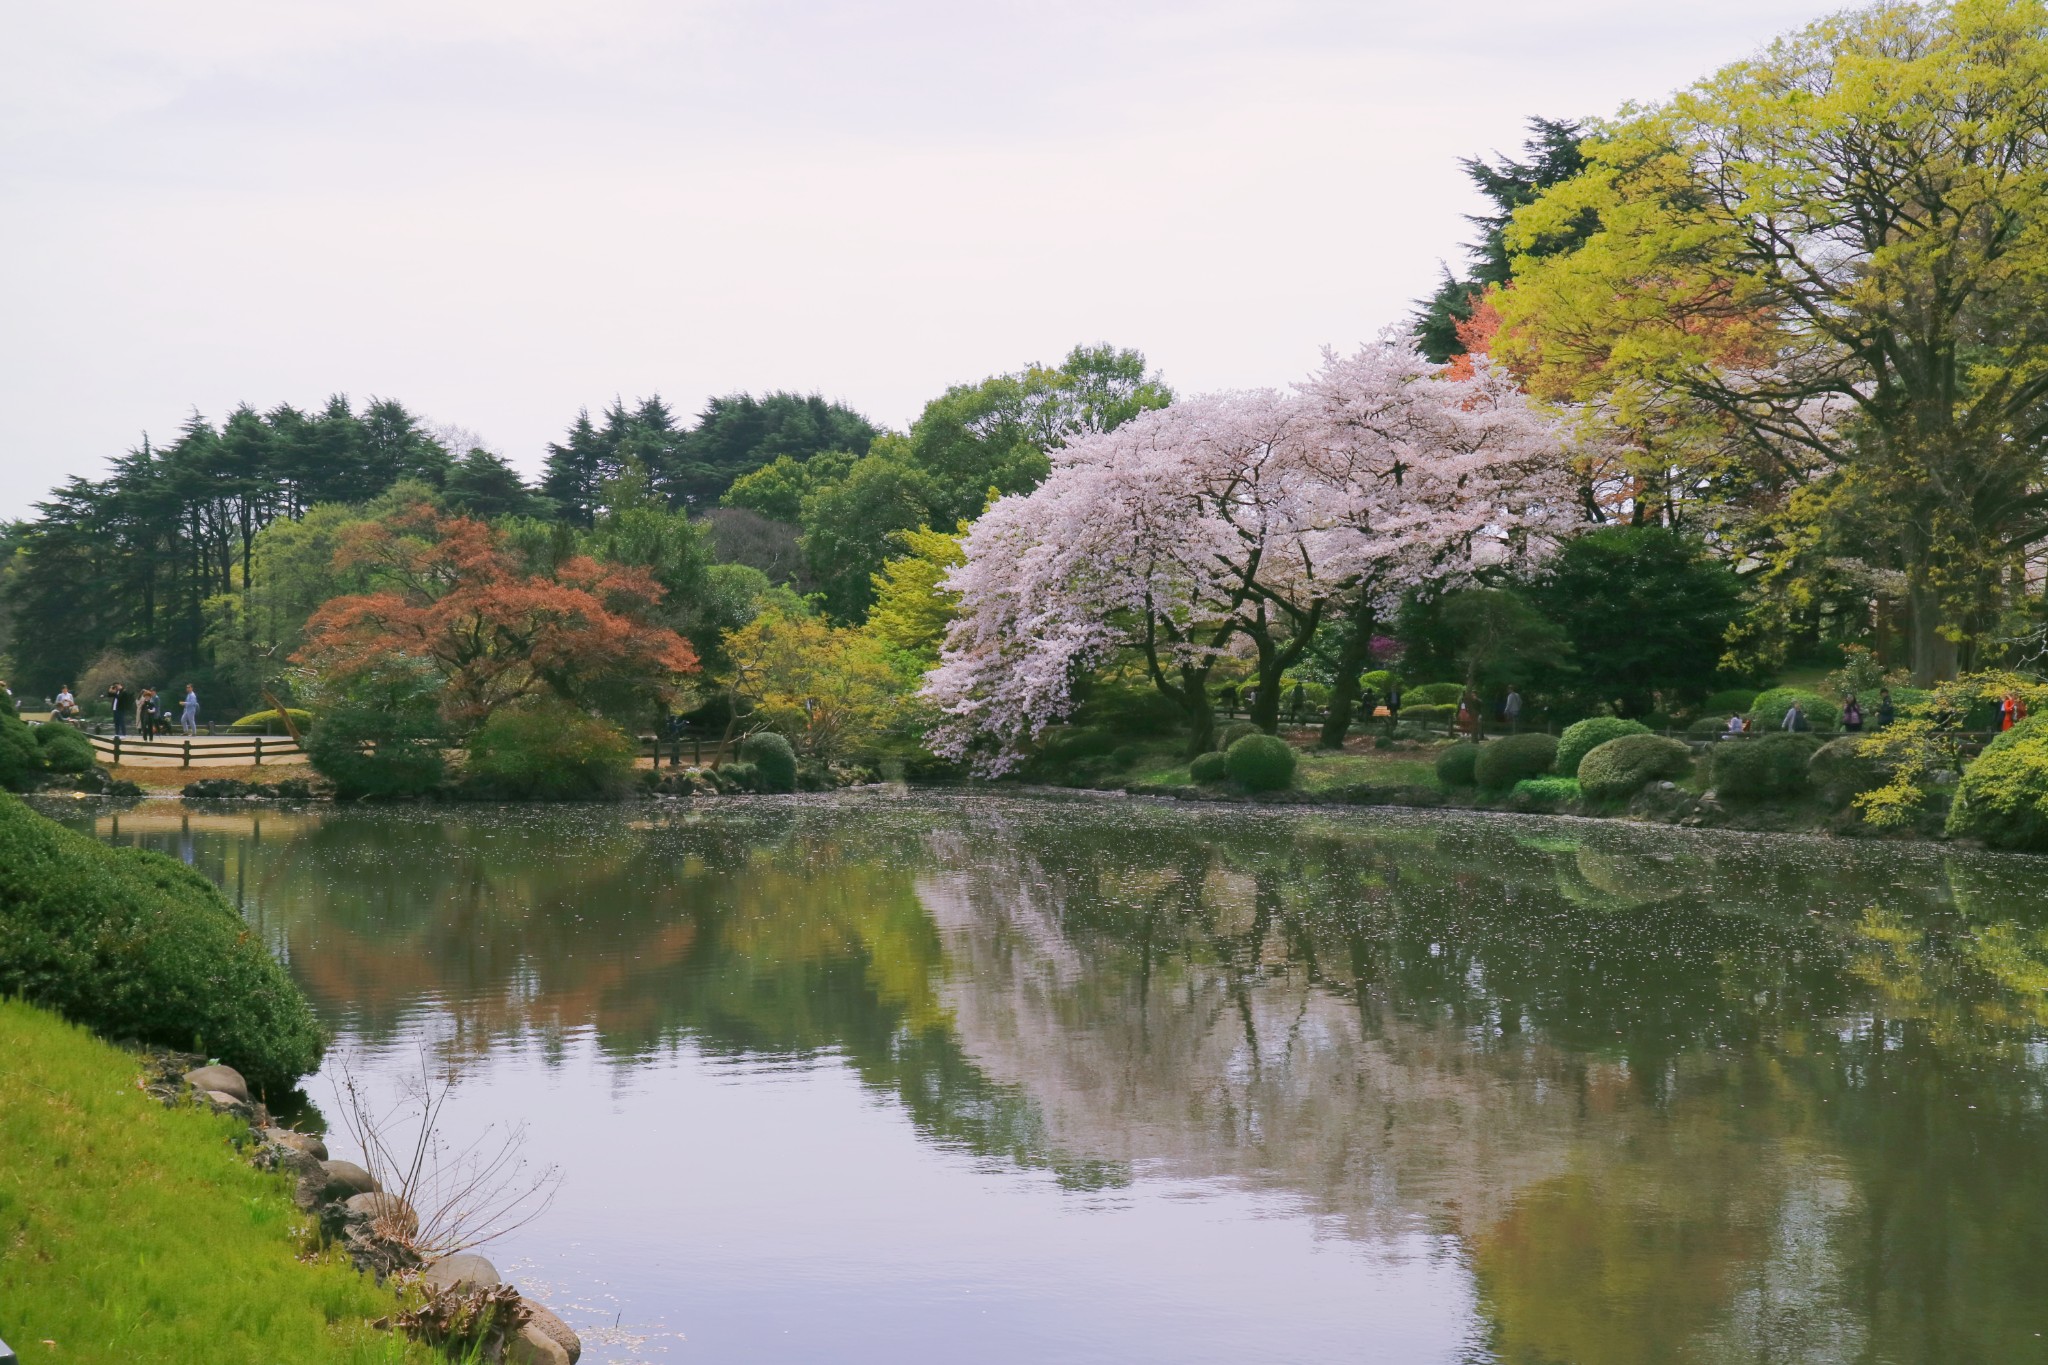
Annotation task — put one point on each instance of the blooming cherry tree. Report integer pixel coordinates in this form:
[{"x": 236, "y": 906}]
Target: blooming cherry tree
[{"x": 1237, "y": 520}]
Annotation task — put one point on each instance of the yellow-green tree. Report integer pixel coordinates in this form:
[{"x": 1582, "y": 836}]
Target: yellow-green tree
[
  {"x": 1839, "y": 249},
  {"x": 829, "y": 688},
  {"x": 912, "y": 609}
]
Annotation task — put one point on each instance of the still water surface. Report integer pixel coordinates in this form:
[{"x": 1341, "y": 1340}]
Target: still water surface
[{"x": 972, "y": 1079}]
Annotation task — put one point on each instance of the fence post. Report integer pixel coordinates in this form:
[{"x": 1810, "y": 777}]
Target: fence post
[
  {"x": 259, "y": 750},
  {"x": 188, "y": 755}
]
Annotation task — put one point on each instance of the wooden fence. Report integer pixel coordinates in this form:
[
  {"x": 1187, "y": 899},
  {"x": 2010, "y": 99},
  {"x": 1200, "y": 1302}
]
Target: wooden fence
[{"x": 253, "y": 748}]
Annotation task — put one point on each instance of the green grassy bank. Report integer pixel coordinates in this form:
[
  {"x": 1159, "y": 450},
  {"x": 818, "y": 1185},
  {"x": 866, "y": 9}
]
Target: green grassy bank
[{"x": 130, "y": 1232}]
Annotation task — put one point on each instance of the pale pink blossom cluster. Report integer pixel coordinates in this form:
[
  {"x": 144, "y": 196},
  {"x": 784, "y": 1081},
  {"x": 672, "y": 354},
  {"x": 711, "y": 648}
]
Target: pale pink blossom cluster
[{"x": 1172, "y": 534}]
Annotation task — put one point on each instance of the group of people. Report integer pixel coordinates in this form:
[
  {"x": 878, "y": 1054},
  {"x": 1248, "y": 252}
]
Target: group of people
[
  {"x": 153, "y": 712},
  {"x": 1796, "y": 718}
]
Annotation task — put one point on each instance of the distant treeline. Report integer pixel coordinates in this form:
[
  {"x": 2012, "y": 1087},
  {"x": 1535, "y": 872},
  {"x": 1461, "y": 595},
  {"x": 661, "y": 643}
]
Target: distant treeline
[{"x": 142, "y": 565}]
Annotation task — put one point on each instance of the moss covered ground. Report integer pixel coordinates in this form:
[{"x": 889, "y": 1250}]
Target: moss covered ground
[{"x": 134, "y": 1233}]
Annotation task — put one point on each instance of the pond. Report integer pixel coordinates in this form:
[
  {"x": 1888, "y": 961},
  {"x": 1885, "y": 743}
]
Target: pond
[{"x": 907, "y": 1078}]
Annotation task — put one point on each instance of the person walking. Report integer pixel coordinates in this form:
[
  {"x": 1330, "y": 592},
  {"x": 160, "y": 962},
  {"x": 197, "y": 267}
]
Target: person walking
[
  {"x": 1852, "y": 714},
  {"x": 117, "y": 697},
  {"x": 1394, "y": 698},
  {"x": 1886, "y": 711},
  {"x": 1795, "y": 718},
  {"x": 188, "y": 715},
  {"x": 1511, "y": 711},
  {"x": 148, "y": 711}
]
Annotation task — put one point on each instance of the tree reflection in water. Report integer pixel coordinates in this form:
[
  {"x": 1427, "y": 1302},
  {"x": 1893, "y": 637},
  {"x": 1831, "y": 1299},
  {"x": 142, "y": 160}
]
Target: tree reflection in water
[{"x": 1677, "y": 1096}]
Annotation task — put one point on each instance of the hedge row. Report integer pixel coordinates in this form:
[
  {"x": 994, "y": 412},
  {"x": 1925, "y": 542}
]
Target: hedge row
[{"x": 137, "y": 945}]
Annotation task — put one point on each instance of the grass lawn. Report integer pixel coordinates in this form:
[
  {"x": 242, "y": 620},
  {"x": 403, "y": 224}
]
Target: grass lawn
[{"x": 130, "y": 1232}]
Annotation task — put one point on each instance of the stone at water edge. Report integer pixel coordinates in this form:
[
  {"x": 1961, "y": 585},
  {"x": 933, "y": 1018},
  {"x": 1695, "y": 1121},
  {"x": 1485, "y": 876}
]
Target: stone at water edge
[
  {"x": 542, "y": 1318},
  {"x": 393, "y": 1214},
  {"x": 463, "y": 1268},
  {"x": 224, "y": 1078},
  {"x": 535, "y": 1347},
  {"x": 297, "y": 1141},
  {"x": 345, "y": 1178}
]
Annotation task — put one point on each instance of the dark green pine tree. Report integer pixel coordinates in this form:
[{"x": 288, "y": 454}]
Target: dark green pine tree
[
  {"x": 484, "y": 485},
  {"x": 738, "y": 434},
  {"x": 1550, "y": 155}
]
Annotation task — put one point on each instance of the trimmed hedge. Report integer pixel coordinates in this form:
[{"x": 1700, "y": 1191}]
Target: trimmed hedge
[
  {"x": 1458, "y": 765},
  {"x": 1624, "y": 766},
  {"x": 1772, "y": 765},
  {"x": 1504, "y": 762},
  {"x": 1733, "y": 701},
  {"x": 774, "y": 761},
  {"x": 2003, "y": 796},
  {"x": 1547, "y": 792},
  {"x": 1208, "y": 768},
  {"x": 137, "y": 945},
  {"x": 1234, "y": 732},
  {"x": 64, "y": 750},
  {"x": 266, "y": 722},
  {"x": 1435, "y": 694},
  {"x": 552, "y": 753},
  {"x": 1839, "y": 771},
  {"x": 1767, "y": 713},
  {"x": 1260, "y": 763},
  {"x": 1585, "y": 736},
  {"x": 20, "y": 757},
  {"x": 1429, "y": 715}
]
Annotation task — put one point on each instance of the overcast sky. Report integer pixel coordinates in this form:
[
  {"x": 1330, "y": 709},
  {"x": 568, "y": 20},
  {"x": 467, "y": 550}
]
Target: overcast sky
[{"x": 500, "y": 211}]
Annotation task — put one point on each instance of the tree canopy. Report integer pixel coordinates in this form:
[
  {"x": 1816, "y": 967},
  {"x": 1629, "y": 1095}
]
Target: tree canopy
[{"x": 1830, "y": 256}]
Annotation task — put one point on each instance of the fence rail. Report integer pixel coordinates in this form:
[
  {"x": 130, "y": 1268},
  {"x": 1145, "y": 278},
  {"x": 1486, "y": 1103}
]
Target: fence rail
[{"x": 253, "y": 748}]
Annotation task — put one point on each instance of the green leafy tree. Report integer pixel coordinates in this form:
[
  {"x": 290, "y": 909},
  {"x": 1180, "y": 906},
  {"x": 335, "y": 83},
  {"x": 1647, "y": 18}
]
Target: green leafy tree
[
  {"x": 1645, "y": 610},
  {"x": 1839, "y": 249}
]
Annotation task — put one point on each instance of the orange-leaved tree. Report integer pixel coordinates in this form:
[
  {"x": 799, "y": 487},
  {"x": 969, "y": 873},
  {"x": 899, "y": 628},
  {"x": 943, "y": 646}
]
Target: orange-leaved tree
[{"x": 452, "y": 598}]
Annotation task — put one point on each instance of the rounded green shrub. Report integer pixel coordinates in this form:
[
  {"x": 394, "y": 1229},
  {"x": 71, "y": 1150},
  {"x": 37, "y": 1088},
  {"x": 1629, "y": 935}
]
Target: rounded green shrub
[
  {"x": 773, "y": 760},
  {"x": 267, "y": 722},
  {"x": 1708, "y": 727},
  {"x": 21, "y": 758},
  {"x": 2002, "y": 797},
  {"x": 1585, "y": 736},
  {"x": 1732, "y": 701},
  {"x": 1767, "y": 712},
  {"x": 137, "y": 945},
  {"x": 1260, "y": 763},
  {"x": 738, "y": 777},
  {"x": 1840, "y": 771},
  {"x": 1435, "y": 694},
  {"x": 64, "y": 750},
  {"x": 377, "y": 753},
  {"x": 1504, "y": 762},
  {"x": 551, "y": 753},
  {"x": 1765, "y": 767},
  {"x": 1427, "y": 714},
  {"x": 1208, "y": 768},
  {"x": 1622, "y": 767},
  {"x": 1457, "y": 766},
  {"x": 1545, "y": 793},
  {"x": 1233, "y": 733},
  {"x": 1377, "y": 681}
]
